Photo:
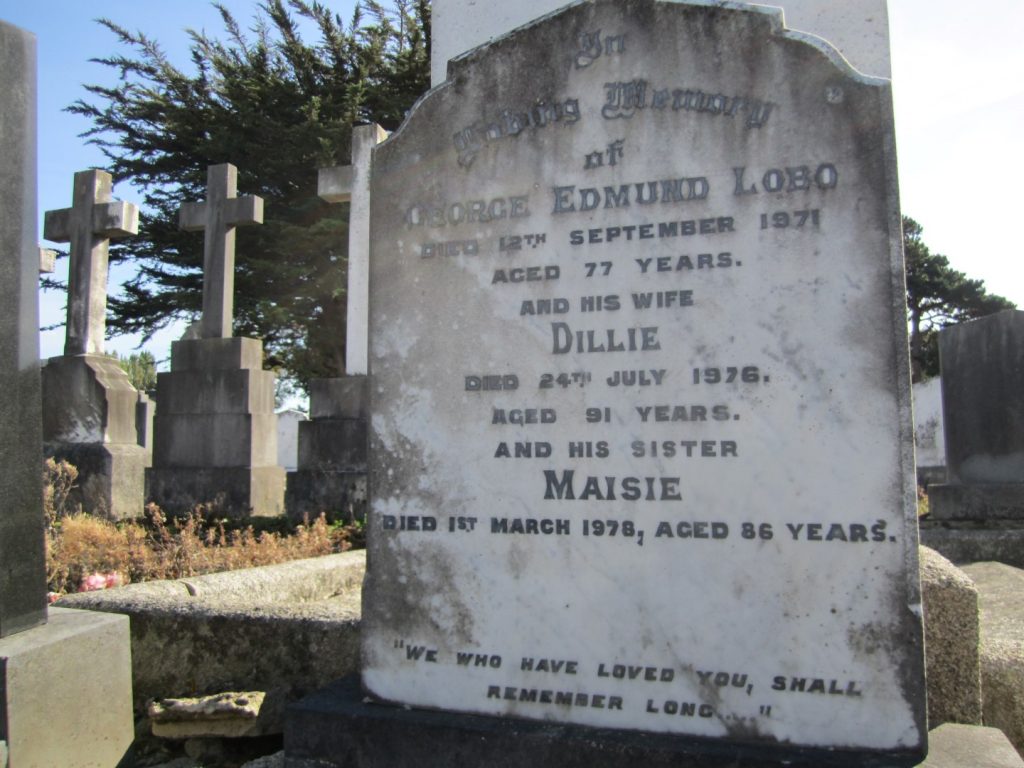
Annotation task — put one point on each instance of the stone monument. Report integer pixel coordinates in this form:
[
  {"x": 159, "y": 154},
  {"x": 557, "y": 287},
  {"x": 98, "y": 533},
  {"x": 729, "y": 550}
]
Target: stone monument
[
  {"x": 978, "y": 513},
  {"x": 331, "y": 476},
  {"x": 65, "y": 675},
  {"x": 859, "y": 29},
  {"x": 215, "y": 431},
  {"x": 641, "y": 458},
  {"x": 91, "y": 406}
]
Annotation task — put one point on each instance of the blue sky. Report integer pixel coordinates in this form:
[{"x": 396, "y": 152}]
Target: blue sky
[{"x": 957, "y": 85}]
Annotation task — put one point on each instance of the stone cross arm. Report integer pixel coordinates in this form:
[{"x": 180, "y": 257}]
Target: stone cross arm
[
  {"x": 238, "y": 211},
  {"x": 335, "y": 184},
  {"x": 109, "y": 220}
]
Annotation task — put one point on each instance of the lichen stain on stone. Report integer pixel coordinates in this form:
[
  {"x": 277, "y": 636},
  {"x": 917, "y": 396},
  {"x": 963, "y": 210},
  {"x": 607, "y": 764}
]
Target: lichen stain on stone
[{"x": 410, "y": 609}]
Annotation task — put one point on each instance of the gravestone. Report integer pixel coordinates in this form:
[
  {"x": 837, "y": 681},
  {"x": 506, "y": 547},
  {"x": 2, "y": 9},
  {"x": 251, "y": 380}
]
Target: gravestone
[
  {"x": 23, "y": 571},
  {"x": 90, "y": 418},
  {"x": 331, "y": 475},
  {"x": 859, "y": 29},
  {"x": 978, "y": 513},
  {"x": 215, "y": 431},
  {"x": 641, "y": 450},
  {"x": 65, "y": 676}
]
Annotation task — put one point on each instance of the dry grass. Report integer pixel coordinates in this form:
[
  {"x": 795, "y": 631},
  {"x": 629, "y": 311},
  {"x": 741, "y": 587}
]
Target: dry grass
[{"x": 79, "y": 545}]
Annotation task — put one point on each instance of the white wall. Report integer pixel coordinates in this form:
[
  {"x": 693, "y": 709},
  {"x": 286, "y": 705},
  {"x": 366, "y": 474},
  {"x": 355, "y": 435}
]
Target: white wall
[
  {"x": 288, "y": 438},
  {"x": 929, "y": 437}
]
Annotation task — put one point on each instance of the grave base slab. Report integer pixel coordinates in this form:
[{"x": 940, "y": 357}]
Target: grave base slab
[
  {"x": 956, "y": 746},
  {"x": 339, "y": 495},
  {"x": 66, "y": 691},
  {"x": 111, "y": 476},
  {"x": 337, "y": 726},
  {"x": 237, "y": 492},
  {"x": 966, "y": 542},
  {"x": 994, "y": 501}
]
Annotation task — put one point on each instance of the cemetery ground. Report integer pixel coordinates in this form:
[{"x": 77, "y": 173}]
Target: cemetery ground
[{"x": 85, "y": 551}]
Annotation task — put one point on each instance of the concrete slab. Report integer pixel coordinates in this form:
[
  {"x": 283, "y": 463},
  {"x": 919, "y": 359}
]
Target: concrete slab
[
  {"x": 970, "y": 746},
  {"x": 951, "y": 634},
  {"x": 339, "y": 727},
  {"x": 66, "y": 690},
  {"x": 1001, "y": 597}
]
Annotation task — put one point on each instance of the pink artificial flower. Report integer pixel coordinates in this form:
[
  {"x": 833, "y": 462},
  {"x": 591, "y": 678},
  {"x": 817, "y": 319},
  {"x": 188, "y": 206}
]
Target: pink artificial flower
[
  {"x": 101, "y": 581},
  {"x": 53, "y": 597}
]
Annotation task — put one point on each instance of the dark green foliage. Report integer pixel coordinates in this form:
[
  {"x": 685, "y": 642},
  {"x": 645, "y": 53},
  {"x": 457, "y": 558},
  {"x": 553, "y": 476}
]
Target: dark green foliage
[
  {"x": 141, "y": 370},
  {"x": 278, "y": 108},
  {"x": 938, "y": 296}
]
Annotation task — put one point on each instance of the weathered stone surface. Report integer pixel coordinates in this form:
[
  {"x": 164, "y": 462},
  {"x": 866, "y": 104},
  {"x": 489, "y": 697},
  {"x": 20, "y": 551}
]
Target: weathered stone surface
[
  {"x": 339, "y": 727},
  {"x": 960, "y": 746},
  {"x": 91, "y": 420},
  {"x": 858, "y": 28},
  {"x": 217, "y": 217},
  {"x": 982, "y": 386},
  {"x": 951, "y": 642},
  {"x": 22, "y": 559},
  {"x": 973, "y": 542},
  {"x": 47, "y": 261},
  {"x": 929, "y": 436},
  {"x": 88, "y": 226},
  {"x": 336, "y": 494},
  {"x": 145, "y": 411},
  {"x": 351, "y": 184},
  {"x": 612, "y": 427},
  {"x": 243, "y": 705},
  {"x": 111, "y": 477},
  {"x": 66, "y": 690},
  {"x": 275, "y": 760},
  {"x": 975, "y": 502},
  {"x": 89, "y": 399},
  {"x": 286, "y": 629},
  {"x": 333, "y": 444},
  {"x": 346, "y": 397},
  {"x": 293, "y": 583},
  {"x": 237, "y": 352},
  {"x": 331, "y": 475},
  {"x": 215, "y": 440},
  {"x": 1001, "y": 596},
  {"x": 236, "y": 492},
  {"x": 92, "y": 408},
  {"x": 231, "y": 714},
  {"x": 216, "y": 431},
  {"x": 983, "y": 410},
  {"x": 202, "y": 392}
]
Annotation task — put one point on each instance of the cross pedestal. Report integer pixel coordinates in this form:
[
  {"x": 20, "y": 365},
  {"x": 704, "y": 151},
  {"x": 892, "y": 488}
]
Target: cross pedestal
[
  {"x": 331, "y": 475},
  {"x": 215, "y": 432},
  {"x": 90, "y": 414}
]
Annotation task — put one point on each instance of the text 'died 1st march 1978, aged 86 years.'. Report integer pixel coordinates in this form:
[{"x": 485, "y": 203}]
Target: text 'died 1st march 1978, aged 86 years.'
[{"x": 640, "y": 423}]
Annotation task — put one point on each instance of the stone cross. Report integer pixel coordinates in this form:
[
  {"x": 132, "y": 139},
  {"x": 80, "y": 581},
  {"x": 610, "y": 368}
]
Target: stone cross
[
  {"x": 218, "y": 216},
  {"x": 351, "y": 184},
  {"x": 88, "y": 225}
]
